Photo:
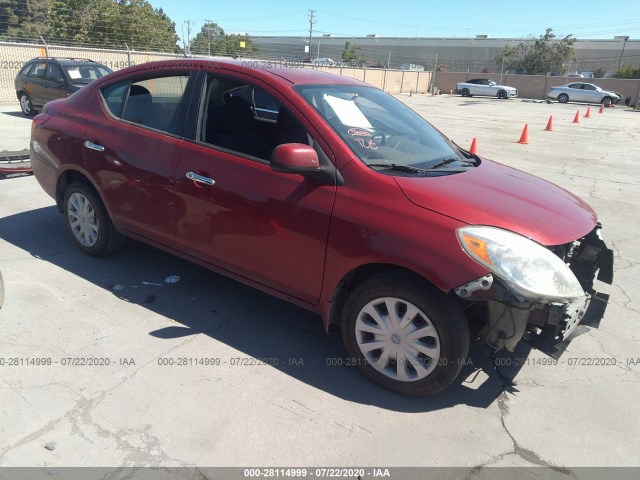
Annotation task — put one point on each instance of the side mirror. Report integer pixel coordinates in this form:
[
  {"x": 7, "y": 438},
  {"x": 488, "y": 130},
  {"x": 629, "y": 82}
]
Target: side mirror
[{"x": 295, "y": 158}]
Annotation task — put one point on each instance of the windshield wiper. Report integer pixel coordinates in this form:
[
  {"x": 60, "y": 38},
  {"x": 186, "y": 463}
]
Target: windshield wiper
[
  {"x": 448, "y": 160},
  {"x": 398, "y": 167}
]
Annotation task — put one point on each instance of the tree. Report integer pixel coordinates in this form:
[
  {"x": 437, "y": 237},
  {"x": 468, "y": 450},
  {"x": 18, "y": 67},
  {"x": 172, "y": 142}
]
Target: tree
[
  {"x": 599, "y": 72},
  {"x": 212, "y": 40},
  {"x": 23, "y": 20},
  {"x": 539, "y": 56},
  {"x": 352, "y": 55},
  {"x": 627, "y": 72},
  {"x": 110, "y": 23}
]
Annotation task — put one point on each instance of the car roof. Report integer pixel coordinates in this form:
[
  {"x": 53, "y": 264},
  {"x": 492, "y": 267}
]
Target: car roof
[
  {"x": 63, "y": 60},
  {"x": 291, "y": 72}
]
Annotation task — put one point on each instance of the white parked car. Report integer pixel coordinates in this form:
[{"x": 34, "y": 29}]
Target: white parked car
[
  {"x": 324, "y": 62},
  {"x": 484, "y": 86},
  {"x": 582, "y": 92}
]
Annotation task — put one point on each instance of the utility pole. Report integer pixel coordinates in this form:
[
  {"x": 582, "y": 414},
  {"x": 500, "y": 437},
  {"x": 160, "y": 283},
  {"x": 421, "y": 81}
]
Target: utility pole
[
  {"x": 625, "y": 38},
  {"x": 312, "y": 21},
  {"x": 189, "y": 23}
]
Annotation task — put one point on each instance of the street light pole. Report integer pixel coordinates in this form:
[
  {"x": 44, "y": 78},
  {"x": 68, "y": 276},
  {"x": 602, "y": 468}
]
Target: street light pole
[{"x": 625, "y": 38}]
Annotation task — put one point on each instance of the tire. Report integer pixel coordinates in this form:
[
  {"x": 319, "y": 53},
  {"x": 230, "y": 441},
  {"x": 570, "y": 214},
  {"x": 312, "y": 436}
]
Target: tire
[
  {"x": 465, "y": 92},
  {"x": 502, "y": 95},
  {"x": 409, "y": 371},
  {"x": 563, "y": 98},
  {"x": 25, "y": 105},
  {"x": 606, "y": 101},
  {"x": 88, "y": 222}
]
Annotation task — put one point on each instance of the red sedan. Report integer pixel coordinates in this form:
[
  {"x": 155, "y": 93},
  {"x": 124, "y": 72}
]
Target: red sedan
[{"x": 333, "y": 195}]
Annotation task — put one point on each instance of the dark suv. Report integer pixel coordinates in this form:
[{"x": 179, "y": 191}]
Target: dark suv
[{"x": 44, "y": 79}]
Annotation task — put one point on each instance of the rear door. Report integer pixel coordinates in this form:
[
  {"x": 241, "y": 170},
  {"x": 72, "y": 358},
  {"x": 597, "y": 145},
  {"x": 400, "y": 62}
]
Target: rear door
[
  {"x": 474, "y": 88},
  {"x": 34, "y": 84},
  {"x": 131, "y": 140},
  {"x": 268, "y": 227},
  {"x": 55, "y": 85}
]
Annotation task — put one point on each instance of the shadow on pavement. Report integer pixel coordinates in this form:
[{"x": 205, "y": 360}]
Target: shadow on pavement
[
  {"x": 246, "y": 319},
  {"x": 17, "y": 113}
]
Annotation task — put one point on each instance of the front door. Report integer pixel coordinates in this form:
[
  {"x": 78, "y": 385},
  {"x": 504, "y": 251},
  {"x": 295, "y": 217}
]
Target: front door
[{"x": 238, "y": 214}]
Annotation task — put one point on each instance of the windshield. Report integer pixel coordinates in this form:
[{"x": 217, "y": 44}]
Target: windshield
[
  {"x": 381, "y": 130},
  {"x": 79, "y": 74}
]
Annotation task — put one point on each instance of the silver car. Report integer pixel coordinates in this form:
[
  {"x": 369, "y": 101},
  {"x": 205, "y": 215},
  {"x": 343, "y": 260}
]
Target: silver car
[{"x": 582, "y": 92}]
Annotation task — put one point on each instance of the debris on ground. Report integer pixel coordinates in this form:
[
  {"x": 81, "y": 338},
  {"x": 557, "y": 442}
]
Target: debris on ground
[
  {"x": 172, "y": 279},
  {"x": 51, "y": 446}
]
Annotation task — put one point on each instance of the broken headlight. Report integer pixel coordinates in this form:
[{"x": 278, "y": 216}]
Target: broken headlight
[{"x": 526, "y": 267}]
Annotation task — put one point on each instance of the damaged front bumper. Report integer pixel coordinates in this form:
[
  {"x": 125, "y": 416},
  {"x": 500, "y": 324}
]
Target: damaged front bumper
[{"x": 509, "y": 318}]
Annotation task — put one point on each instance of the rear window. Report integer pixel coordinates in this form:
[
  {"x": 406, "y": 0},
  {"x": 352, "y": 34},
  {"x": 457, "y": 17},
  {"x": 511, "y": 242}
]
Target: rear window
[
  {"x": 26, "y": 68},
  {"x": 153, "y": 102}
]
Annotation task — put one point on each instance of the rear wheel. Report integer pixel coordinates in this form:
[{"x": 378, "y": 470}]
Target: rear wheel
[
  {"x": 404, "y": 334},
  {"x": 563, "y": 98},
  {"x": 25, "y": 105},
  {"x": 88, "y": 222},
  {"x": 465, "y": 92}
]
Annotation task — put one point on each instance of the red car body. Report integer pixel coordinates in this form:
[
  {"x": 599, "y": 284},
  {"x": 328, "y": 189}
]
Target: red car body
[{"x": 300, "y": 240}]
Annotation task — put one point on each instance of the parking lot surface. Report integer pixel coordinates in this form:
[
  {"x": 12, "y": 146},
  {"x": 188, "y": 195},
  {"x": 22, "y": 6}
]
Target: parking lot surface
[{"x": 209, "y": 372}]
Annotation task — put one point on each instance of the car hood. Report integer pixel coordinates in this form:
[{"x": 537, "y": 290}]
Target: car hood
[
  {"x": 496, "y": 195},
  {"x": 505, "y": 86}
]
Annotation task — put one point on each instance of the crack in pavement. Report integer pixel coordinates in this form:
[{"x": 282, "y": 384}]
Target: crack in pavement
[{"x": 526, "y": 454}]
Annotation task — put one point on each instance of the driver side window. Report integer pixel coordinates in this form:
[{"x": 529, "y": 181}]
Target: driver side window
[{"x": 247, "y": 120}]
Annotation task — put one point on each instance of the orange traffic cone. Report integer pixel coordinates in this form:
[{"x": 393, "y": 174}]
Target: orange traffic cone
[
  {"x": 576, "y": 119},
  {"x": 588, "y": 114},
  {"x": 451, "y": 92},
  {"x": 601, "y": 108},
  {"x": 474, "y": 147},
  {"x": 524, "y": 138},
  {"x": 550, "y": 124}
]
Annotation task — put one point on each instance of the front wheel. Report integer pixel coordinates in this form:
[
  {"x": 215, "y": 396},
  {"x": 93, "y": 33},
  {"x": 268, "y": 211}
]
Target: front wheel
[
  {"x": 404, "y": 334},
  {"x": 89, "y": 223},
  {"x": 502, "y": 95},
  {"x": 563, "y": 98},
  {"x": 25, "y": 105}
]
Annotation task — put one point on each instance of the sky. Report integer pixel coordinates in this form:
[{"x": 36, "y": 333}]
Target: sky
[{"x": 411, "y": 18}]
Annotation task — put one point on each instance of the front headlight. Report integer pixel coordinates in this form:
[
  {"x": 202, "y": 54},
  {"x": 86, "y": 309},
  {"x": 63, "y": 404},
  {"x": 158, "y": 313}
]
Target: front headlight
[{"x": 525, "y": 266}]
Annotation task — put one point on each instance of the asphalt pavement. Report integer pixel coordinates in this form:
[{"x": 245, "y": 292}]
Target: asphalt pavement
[{"x": 103, "y": 363}]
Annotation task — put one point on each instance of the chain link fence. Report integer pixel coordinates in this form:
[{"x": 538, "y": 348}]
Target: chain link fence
[{"x": 14, "y": 55}]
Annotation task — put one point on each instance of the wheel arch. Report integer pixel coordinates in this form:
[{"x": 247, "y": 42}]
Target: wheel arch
[
  {"x": 356, "y": 276},
  {"x": 72, "y": 175}
]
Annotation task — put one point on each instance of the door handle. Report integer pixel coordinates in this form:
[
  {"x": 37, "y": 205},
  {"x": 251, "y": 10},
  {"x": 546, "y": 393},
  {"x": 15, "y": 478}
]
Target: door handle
[
  {"x": 200, "y": 179},
  {"x": 94, "y": 146}
]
